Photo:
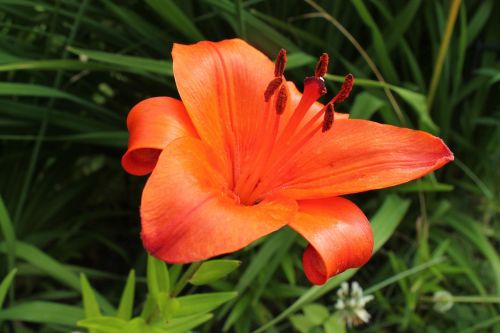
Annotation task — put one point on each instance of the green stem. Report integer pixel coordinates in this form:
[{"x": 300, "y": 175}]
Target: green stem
[
  {"x": 466, "y": 299},
  {"x": 185, "y": 278},
  {"x": 443, "y": 49}
]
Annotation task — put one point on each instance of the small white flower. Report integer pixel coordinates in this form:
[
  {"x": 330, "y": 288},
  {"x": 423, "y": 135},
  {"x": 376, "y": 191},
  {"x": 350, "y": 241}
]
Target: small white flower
[
  {"x": 351, "y": 304},
  {"x": 443, "y": 301},
  {"x": 83, "y": 57}
]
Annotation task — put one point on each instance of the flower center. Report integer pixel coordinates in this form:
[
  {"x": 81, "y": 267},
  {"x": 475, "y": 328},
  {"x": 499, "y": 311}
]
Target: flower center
[{"x": 279, "y": 141}]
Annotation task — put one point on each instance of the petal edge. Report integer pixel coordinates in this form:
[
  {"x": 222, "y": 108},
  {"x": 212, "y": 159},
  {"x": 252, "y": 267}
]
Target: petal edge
[{"x": 339, "y": 235}]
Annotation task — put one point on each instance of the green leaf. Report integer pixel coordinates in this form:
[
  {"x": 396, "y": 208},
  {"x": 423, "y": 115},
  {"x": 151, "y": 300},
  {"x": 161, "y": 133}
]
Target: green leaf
[
  {"x": 202, "y": 303},
  {"x": 365, "y": 105},
  {"x": 213, "y": 270},
  {"x": 301, "y": 323},
  {"x": 139, "y": 325},
  {"x": 4, "y": 286},
  {"x": 157, "y": 277},
  {"x": 423, "y": 185},
  {"x": 175, "y": 17},
  {"x": 103, "y": 324},
  {"x": 334, "y": 324},
  {"x": 127, "y": 300},
  {"x": 130, "y": 63},
  {"x": 387, "y": 218},
  {"x": 45, "y": 263},
  {"x": 52, "y": 64},
  {"x": 53, "y": 268},
  {"x": 316, "y": 313},
  {"x": 378, "y": 41},
  {"x": 298, "y": 59},
  {"x": 9, "y": 235},
  {"x": 184, "y": 324},
  {"x": 43, "y": 313},
  {"x": 36, "y": 90},
  {"x": 418, "y": 103},
  {"x": 89, "y": 300},
  {"x": 149, "y": 307}
]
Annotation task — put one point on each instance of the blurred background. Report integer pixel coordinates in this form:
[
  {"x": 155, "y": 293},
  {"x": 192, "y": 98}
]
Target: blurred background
[{"x": 70, "y": 70}]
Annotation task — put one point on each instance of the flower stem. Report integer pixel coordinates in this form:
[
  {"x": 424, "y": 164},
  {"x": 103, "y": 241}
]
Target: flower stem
[{"x": 185, "y": 278}]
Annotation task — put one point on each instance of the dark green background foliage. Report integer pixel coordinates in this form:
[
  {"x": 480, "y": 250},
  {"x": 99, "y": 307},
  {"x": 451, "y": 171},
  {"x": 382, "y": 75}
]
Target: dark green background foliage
[{"x": 71, "y": 70}]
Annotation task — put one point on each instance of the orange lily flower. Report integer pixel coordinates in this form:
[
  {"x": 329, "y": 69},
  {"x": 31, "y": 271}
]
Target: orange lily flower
[{"x": 245, "y": 153}]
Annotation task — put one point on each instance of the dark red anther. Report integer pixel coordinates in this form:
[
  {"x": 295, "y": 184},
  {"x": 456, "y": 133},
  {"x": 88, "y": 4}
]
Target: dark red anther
[
  {"x": 321, "y": 66},
  {"x": 281, "y": 100},
  {"x": 271, "y": 88},
  {"x": 345, "y": 90},
  {"x": 279, "y": 65},
  {"x": 329, "y": 117}
]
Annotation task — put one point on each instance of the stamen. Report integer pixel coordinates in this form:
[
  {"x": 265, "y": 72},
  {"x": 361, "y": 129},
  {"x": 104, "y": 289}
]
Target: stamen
[
  {"x": 279, "y": 65},
  {"x": 314, "y": 88},
  {"x": 328, "y": 119},
  {"x": 345, "y": 90},
  {"x": 271, "y": 88},
  {"x": 281, "y": 100},
  {"x": 321, "y": 66}
]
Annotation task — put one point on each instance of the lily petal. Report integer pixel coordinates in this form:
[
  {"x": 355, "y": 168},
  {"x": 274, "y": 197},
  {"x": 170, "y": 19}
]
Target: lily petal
[
  {"x": 153, "y": 124},
  {"x": 222, "y": 86},
  {"x": 339, "y": 236},
  {"x": 189, "y": 214},
  {"x": 361, "y": 155}
]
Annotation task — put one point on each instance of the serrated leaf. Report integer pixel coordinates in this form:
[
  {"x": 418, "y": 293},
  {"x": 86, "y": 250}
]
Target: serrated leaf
[
  {"x": 213, "y": 270},
  {"x": 127, "y": 300},
  {"x": 202, "y": 303}
]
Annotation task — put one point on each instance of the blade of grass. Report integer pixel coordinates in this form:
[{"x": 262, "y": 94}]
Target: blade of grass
[
  {"x": 240, "y": 19},
  {"x": 378, "y": 41},
  {"x": 5, "y": 285},
  {"x": 45, "y": 121},
  {"x": 132, "y": 63},
  {"x": 443, "y": 50},
  {"x": 175, "y": 17},
  {"x": 324, "y": 14},
  {"x": 9, "y": 235},
  {"x": 53, "y": 268},
  {"x": 43, "y": 312}
]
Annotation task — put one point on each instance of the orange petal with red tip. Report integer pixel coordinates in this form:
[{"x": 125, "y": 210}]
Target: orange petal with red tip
[
  {"x": 189, "y": 214},
  {"x": 153, "y": 124},
  {"x": 339, "y": 235},
  {"x": 361, "y": 155}
]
